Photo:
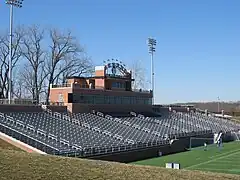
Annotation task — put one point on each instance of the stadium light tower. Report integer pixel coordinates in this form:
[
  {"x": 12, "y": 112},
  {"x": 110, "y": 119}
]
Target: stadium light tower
[
  {"x": 18, "y": 4},
  {"x": 152, "y": 48}
]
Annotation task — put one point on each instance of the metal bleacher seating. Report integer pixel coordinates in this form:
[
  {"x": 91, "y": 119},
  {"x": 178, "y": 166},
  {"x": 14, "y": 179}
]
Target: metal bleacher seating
[
  {"x": 214, "y": 123},
  {"x": 117, "y": 127},
  {"x": 180, "y": 124},
  {"x": 87, "y": 134},
  {"x": 56, "y": 134},
  {"x": 187, "y": 123}
]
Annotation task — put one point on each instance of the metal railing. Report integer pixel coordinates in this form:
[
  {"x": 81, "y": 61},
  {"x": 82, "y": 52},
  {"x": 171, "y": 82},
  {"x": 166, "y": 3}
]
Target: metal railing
[
  {"x": 81, "y": 86},
  {"x": 142, "y": 91},
  {"x": 56, "y": 103},
  {"x": 18, "y": 101},
  {"x": 60, "y": 85},
  {"x": 96, "y": 151},
  {"x": 86, "y": 86},
  {"x": 27, "y": 139}
]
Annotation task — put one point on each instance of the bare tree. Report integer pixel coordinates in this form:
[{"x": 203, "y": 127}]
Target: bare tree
[
  {"x": 65, "y": 58},
  {"x": 4, "y": 58},
  {"x": 20, "y": 85},
  {"x": 33, "y": 52},
  {"x": 139, "y": 75},
  {"x": 39, "y": 68},
  {"x": 83, "y": 66}
]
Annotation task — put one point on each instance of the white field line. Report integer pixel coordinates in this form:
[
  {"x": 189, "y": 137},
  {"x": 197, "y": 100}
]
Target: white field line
[
  {"x": 218, "y": 169},
  {"x": 206, "y": 162},
  {"x": 224, "y": 153},
  {"x": 234, "y": 156},
  {"x": 217, "y": 164},
  {"x": 227, "y": 161},
  {"x": 232, "y": 159}
]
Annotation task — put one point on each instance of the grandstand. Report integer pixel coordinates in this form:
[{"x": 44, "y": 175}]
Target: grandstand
[
  {"x": 91, "y": 134},
  {"x": 101, "y": 117}
]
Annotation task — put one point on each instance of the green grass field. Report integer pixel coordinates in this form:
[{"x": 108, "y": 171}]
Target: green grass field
[{"x": 225, "y": 161}]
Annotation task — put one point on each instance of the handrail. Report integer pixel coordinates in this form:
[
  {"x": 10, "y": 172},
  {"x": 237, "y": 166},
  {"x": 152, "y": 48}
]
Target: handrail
[
  {"x": 86, "y": 86},
  {"x": 7, "y": 127},
  {"x": 18, "y": 101}
]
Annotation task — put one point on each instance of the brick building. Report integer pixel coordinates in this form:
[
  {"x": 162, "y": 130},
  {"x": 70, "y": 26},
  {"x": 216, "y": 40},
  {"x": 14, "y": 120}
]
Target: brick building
[{"x": 110, "y": 89}]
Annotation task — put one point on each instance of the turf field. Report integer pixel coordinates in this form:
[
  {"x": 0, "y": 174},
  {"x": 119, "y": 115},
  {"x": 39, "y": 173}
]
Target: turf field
[{"x": 226, "y": 160}]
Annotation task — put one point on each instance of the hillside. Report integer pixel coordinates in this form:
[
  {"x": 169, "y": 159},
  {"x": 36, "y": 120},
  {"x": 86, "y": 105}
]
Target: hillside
[
  {"x": 7, "y": 146},
  {"x": 213, "y": 106},
  {"x": 21, "y": 165}
]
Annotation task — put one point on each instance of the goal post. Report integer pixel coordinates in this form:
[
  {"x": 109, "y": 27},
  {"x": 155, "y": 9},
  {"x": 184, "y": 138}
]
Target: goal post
[
  {"x": 199, "y": 142},
  {"x": 237, "y": 136}
]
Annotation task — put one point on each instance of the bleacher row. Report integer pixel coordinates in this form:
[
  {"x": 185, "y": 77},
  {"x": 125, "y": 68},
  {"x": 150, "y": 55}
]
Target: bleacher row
[{"x": 87, "y": 134}]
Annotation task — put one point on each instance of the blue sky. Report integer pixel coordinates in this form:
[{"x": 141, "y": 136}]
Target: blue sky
[{"x": 198, "y": 50}]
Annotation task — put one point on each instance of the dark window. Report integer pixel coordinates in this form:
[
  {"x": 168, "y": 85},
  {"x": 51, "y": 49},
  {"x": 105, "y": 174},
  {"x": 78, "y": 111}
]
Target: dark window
[{"x": 70, "y": 98}]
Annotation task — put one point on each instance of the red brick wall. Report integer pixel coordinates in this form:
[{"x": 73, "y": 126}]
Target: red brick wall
[{"x": 54, "y": 94}]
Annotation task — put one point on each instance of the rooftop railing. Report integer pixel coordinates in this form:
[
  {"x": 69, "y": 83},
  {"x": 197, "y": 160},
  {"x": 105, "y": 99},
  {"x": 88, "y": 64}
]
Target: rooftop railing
[
  {"x": 142, "y": 90},
  {"x": 18, "y": 101},
  {"x": 60, "y": 85},
  {"x": 86, "y": 86},
  {"x": 56, "y": 103}
]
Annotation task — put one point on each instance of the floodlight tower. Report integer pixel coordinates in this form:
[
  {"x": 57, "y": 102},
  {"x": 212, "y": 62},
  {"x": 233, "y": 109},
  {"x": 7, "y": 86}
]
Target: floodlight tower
[
  {"x": 152, "y": 48},
  {"x": 17, "y": 4}
]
